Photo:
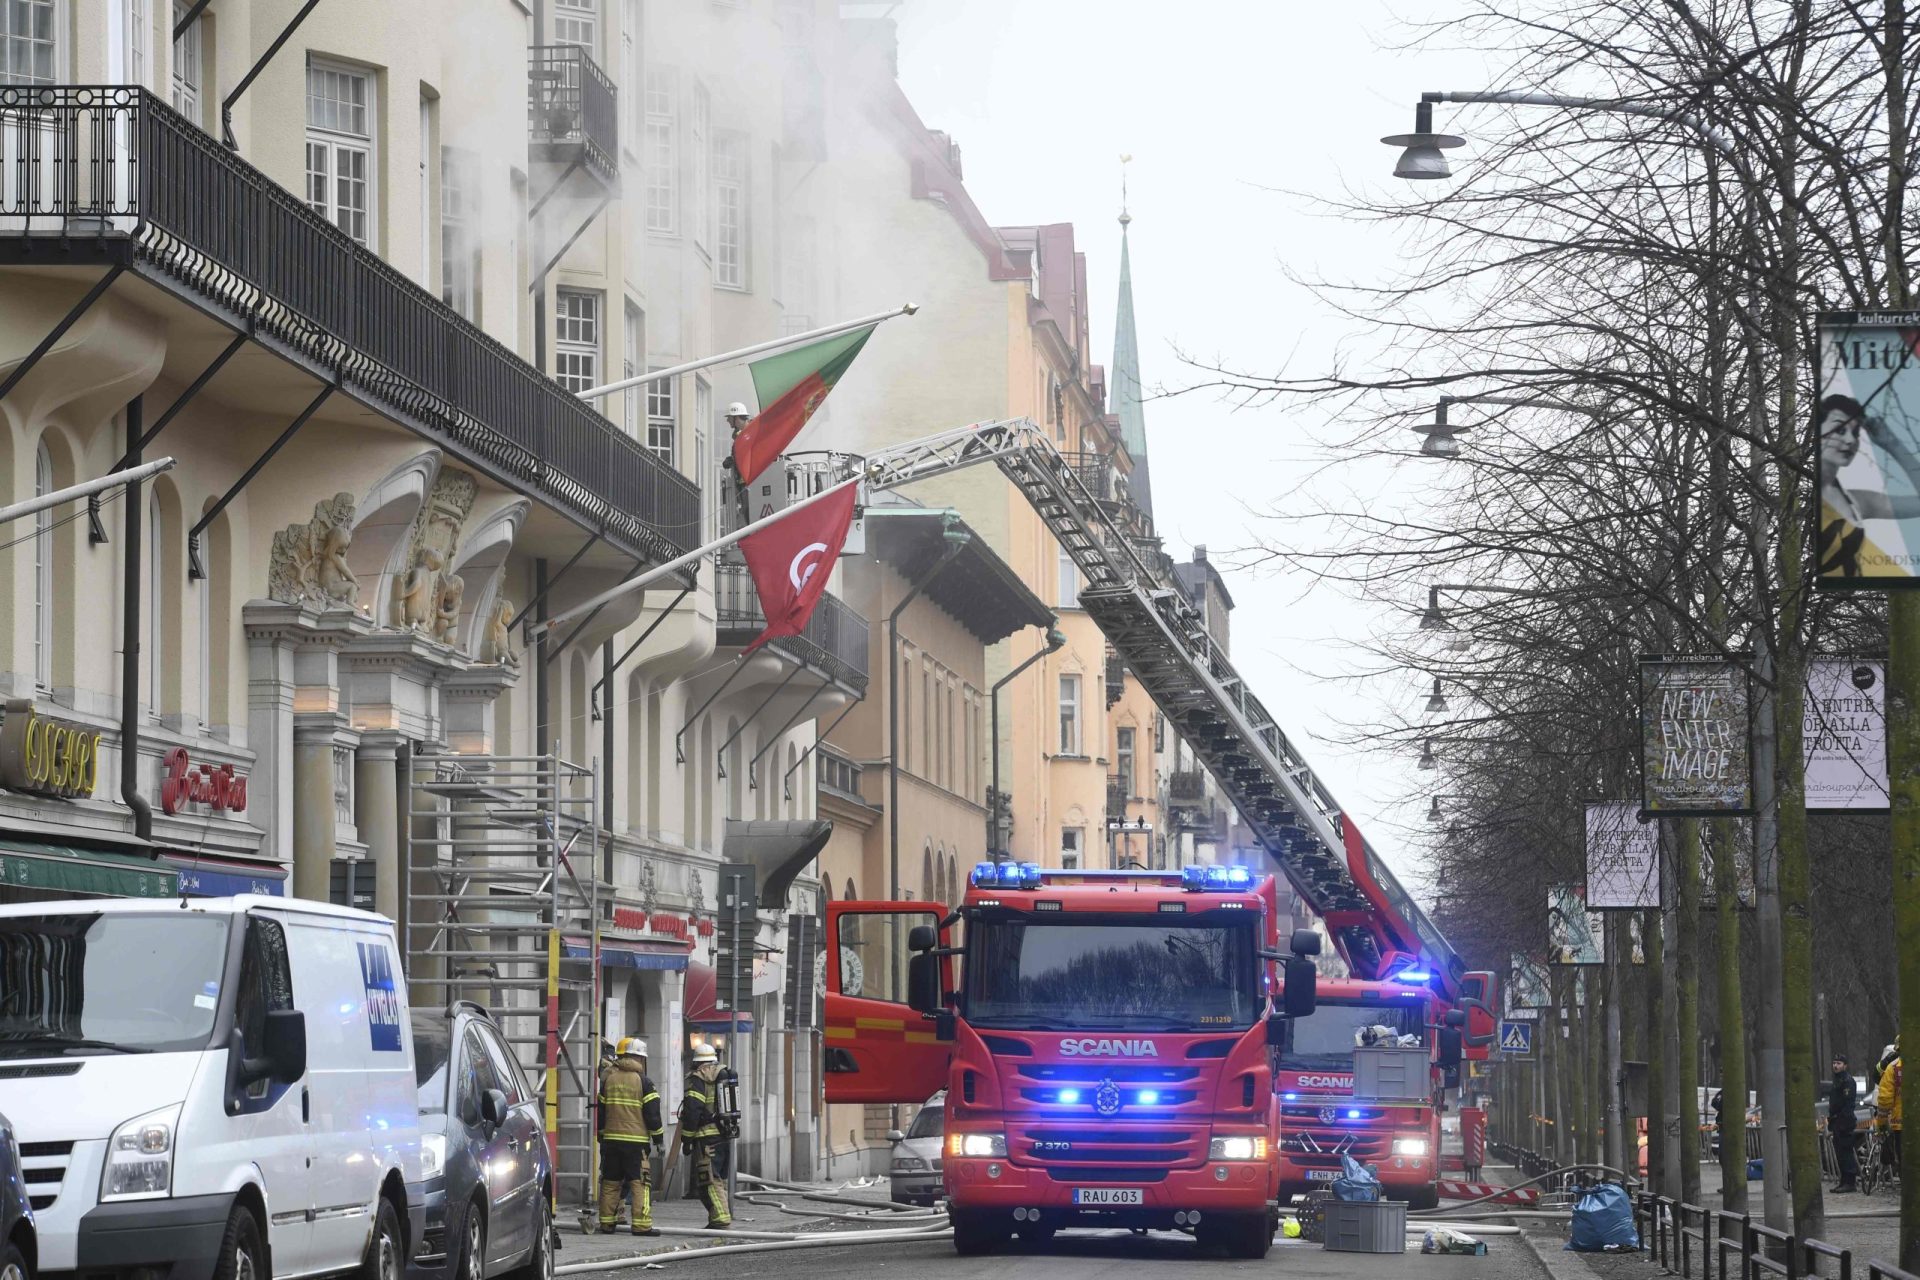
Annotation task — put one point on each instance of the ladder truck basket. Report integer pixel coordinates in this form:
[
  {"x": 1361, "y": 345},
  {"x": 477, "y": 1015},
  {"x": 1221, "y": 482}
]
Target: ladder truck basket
[{"x": 1392, "y": 1073}]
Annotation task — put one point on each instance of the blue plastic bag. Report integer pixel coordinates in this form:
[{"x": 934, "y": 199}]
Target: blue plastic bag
[
  {"x": 1356, "y": 1181},
  {"x": 1603, "y": 1221},
  {"x": 1756, "y": 1170}
]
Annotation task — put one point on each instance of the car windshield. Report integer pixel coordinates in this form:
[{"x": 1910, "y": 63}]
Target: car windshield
[
  {"x": 109, "y": 982},
  {"x": 432, "y": 1047},
  {"x": 1093, "y": 973},
  {"x": 931, "y": 1122},
  {"x": 1328, "y": 1036}
]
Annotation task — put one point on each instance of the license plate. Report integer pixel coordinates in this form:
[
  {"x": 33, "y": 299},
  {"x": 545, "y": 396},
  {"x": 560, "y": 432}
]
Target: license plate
[
  {"x": 1106, "y": 1195},
  {"x": 1322, "y": 1175}
]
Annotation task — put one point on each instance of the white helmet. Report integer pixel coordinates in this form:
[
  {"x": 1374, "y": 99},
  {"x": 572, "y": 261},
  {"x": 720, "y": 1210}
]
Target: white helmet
[
  {"x": 703, "y": 1054},
  {"x": 738, "y": 410},
  {"x": 631, "y": 1047}
]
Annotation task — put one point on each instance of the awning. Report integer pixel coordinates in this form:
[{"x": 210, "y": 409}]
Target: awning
[
  {"x": 626, "y": 954},
  {"x": 200, "y": 878},
  {"x": 58, "y": 868},
  {"x": 779, "y": 852},
  {"x": 701, "y": 1015}
]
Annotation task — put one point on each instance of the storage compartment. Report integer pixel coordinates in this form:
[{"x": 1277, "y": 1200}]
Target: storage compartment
[
  {"x": 1363, "y": 1226},
  {"x": 1401, "y": 1074}
]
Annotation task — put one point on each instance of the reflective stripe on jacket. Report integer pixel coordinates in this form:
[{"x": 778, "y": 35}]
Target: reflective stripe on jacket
[
  {"x": 697, "y": 1118},
  {"x": 629, "y": 1104}
]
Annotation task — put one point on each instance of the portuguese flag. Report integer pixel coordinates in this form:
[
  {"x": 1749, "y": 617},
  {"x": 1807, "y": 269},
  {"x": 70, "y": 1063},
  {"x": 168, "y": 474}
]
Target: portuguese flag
[{"x": 790, "y": 386}]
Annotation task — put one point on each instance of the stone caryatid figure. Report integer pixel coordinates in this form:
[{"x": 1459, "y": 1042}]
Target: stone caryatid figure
[
  {"x": 420, "y": 592},
  {"x": 499, "y": 642},
  {"x": 447, "y": 617},
  {"x": 309, "y": 562}
]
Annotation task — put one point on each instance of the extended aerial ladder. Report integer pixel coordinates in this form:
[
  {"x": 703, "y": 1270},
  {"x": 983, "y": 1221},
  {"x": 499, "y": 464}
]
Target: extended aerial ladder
[{"x": 1163, "y": 640}]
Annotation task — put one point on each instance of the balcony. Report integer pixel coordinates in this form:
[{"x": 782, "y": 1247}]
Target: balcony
[
  {"x": 834, "y": 643},
  {"x": 113, "y": 176},
  {"x": 1116, "y": 796},
  {"x": 1109, "y": 487},
  {"x": 573, "y": 112},
  {"x": 1187, "y": 788}
]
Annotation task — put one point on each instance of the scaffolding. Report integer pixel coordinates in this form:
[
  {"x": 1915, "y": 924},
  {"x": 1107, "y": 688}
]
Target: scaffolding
[{"x": 503, "y": 901}]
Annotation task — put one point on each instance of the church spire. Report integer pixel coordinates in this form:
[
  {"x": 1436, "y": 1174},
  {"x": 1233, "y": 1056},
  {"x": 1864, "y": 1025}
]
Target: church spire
[{"x": 1125, "y": 388}]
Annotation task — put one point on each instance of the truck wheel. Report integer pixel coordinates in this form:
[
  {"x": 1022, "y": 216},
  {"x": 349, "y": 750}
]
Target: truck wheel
[
  {"x": 13, "y": 1263},
  {"x": 1250, "y": 1236},
  {"x": 241, "y": 1257},
  {"x": 1427, "y": 1197},
  {"x": 975, "y": 1233},
  {"x": 386, "y": 1251}
]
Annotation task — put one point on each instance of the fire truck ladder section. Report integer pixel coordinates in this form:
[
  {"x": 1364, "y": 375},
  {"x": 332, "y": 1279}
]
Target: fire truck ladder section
[
  {"x": 502, "y": 903},
  {"x": 1164, "y": 641}
]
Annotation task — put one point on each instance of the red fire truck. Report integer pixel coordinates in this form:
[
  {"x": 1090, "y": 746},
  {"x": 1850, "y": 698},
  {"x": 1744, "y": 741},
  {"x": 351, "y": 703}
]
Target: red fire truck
[{"x": 1105, "y": 1051}]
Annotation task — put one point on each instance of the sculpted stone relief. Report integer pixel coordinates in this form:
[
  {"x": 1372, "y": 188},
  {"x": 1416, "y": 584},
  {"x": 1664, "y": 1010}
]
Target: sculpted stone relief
[
  {"x": 498, "y": 644},
  {"x": 428, "y": 597},
  {"x": 309, "y": 564}
]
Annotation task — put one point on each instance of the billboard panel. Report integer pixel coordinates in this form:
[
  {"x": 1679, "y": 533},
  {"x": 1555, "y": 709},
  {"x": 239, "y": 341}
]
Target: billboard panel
[
  {"x": 1527, "y": 985},
  {"x": 1694, "y": 737},
  {"x": 1866, "y": 424},
  {"x": 1844, "y": 736},
  {"x": 1574, "y": 934},
  {"x": 1623, "y": 859}
]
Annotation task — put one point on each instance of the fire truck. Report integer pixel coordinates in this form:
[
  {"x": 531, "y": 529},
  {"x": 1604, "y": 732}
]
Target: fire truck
[{"x": 1104, "y": 1046}]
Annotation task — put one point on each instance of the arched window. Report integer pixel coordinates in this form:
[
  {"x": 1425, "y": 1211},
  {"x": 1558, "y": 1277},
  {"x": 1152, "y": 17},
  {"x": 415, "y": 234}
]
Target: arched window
[
  {"x": 929, "y": 887},
  {"x": 43, "y": 572},
  {"x": 156, "y": 600}
]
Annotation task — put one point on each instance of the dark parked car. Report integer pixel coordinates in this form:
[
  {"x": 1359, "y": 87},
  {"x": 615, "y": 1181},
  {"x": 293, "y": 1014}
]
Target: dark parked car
[
  {"x": 489, "y": 1177},
  {"x": 18, "y": 1250}
]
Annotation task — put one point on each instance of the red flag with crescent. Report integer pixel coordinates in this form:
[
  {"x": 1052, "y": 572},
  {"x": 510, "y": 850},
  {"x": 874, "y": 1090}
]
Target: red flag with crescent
[{"x": 791, "y": 559}]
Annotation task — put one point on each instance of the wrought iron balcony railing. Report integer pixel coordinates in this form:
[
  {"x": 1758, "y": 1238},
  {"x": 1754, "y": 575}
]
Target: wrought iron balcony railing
[
  {"x": 1186, "y": 787},
  {"x": 573, "y": 109},
  {"x": 835, "y": 640},
  {"x": 101, "y": 174}
]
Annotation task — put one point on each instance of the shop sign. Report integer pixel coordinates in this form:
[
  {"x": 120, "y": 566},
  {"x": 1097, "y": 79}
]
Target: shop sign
[
  {"x": 682, "y": 927},
  {"x": 183, "y": 783},
  {"x": 47, "y": 756}
]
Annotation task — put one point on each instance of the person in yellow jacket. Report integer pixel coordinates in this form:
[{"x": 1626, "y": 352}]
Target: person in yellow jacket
[
  {"x": 1886, "y": 1106},
  {"x": 629, "y": 1126},
  {"x": 700, "y": 1134}
]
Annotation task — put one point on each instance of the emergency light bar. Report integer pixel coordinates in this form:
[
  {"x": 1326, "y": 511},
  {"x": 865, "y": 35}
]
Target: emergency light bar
[
  {"x": 1005, "y": 875},
  {"x": 1215, "y": 879}
]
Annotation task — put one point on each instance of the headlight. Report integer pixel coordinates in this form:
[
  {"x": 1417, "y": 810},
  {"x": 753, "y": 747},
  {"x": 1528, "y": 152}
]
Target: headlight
[
  {"x": 1410, "y": 1146},
  {"x": 433, "y": 1154},
  {"x": 908, "y": 1164},
  {"x": 989, "y": 1145},
  {"x": 140, "y": 1157},
  {"x": 1237, "y": 1149}
]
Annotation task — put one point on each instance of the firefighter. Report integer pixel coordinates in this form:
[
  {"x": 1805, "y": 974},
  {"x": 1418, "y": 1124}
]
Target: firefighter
[
  {"x": 737, "y": 420},
  {"x": 700, "y": 1134},
  {"x": 1887, "y": 1105},
  {"x": 629, "y": 1124}
]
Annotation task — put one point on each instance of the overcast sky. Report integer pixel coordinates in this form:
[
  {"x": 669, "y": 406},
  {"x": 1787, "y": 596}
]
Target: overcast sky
[{"x": 1228, "y": 108}]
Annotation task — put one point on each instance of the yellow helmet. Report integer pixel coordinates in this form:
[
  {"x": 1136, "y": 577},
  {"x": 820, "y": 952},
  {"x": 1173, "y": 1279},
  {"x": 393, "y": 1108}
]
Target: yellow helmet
[{"x": 631, "y": 1047}]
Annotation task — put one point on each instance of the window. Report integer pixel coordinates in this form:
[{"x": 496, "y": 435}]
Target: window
[
  {"x": 475, "y": 1076},
  {"x": 156, "y": 609},
  {"x": 576, "y": 339},
  {"x": 701, "y": 131},
  {"x": 460, "y": 231},
  {"x": 730, "y": 210},
  {"x": 633, "y": 343},
  {"x": 662, "y": 415},
  {"x": 1072, "y": 842},
  {"x": 1070, "y": 715},
  {"x": 1069, "y": 581},
  {"x": 1123, "y": 760},
  {"x": 266, "y": 986},
  {"x": 340, "y": 147},
  {"x": 350, "y": 884},
  {"x": 577, "y": 22},
  {"x": 30, "y": 45},
  {"x": 662, "y": 154},
  {"x": 702, "y": 432},
  {"x": 132, "y": 16},
  {"x": 43, "y": 572},
  {"x": 186, "y": 66},
  {"x": 631, "y": 76},
  {"x": 505, "y": 1066},
  {"x": 203, "y": 601}
]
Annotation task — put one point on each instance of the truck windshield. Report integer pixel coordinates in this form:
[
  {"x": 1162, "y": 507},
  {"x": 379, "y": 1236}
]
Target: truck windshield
[
  {"x": 109, "y": 982},
  {"x": 1090, "y": 973},
  {"x": 1328, "y": 1036}
]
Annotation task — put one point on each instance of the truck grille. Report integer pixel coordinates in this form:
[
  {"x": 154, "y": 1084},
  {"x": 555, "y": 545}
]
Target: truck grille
[
  {"x": 1097, "y": 1072},
  {"x": 1323, "y": 1148},
  {"x": 43, "y": 1167},
  {"x": 1072, "y": 1146},
  {"x": 1094, "y": 1173}
]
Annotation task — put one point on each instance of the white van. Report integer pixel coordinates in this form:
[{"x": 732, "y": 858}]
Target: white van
[{"x": 222, "y": 1086}]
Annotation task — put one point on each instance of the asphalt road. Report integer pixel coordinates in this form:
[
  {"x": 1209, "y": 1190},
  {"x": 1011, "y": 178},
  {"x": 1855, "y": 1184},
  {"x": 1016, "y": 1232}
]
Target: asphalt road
[{"x": 1095, "y": 1256}]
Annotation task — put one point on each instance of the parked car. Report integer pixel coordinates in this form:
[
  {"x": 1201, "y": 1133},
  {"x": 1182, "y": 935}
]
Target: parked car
[
  {"x": 175, "y": 1068},
  {"x": 489, "y": 1174},
  {"x": 17, "y": 1245},
  {"x": 914, "y": 1171}
]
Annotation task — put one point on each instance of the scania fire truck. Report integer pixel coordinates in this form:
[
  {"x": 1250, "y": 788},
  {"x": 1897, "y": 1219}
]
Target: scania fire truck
[{"x": 1104, "y": 1050}]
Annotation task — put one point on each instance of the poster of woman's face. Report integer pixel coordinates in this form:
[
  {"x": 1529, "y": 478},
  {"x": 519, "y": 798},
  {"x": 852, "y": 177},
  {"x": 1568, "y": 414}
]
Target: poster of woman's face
[{"x": 1865, "y": 433}]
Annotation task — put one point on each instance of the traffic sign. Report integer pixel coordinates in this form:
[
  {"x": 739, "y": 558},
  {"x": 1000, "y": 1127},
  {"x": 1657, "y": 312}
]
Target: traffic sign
[{"x": 1516, "y": 1039}]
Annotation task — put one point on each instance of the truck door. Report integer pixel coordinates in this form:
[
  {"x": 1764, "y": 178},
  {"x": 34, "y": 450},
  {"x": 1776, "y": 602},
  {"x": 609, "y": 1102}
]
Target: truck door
[
  {"x": 876, "y": 1048},
  {"x": 1479, "y": 990}
]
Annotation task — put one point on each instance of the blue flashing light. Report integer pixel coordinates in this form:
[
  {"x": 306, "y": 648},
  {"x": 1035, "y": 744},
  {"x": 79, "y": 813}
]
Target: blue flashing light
[
  {"x": 1147, "y": 1097},
  {"x": 1413, "y": 975},
  {"x": 1193, "y": 879},
  {"x": 1291, "y": 1097},
  {"x": 1353, "y": 1115},
  {"x": 1069, "y": 1096},
  {"x": 1006, "y": 875},
  {"x": 985, "y": 874},
  {"x": 1215, "y": 879}
]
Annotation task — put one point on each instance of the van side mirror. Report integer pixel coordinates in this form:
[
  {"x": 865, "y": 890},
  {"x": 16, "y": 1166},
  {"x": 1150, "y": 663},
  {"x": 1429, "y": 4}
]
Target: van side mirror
[
  {"x": 283, "y": 1055},
  {"x": 1299, "y": 997},
  {"x": 923, "y": 982},
  {"x": 493, "y": 1107}
]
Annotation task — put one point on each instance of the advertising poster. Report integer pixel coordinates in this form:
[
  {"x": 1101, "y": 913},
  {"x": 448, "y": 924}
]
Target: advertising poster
[
  {"x": 1866, "y": 427},
  {"x": 1574, "y": 934},
  {"x": 1845, "y": 735},
  {"x": 1623, "y": 859},
  {"x": 1694, "y": 738},
  {"x": 1527, "y": 986}
]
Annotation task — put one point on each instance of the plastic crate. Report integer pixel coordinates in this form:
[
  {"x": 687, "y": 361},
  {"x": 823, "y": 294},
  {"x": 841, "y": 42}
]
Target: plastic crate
[
  {"x": 1402, "y": 1074},
  {"x": 1312, "y": 1216},
  {"x": 1366, "y": 1226}
]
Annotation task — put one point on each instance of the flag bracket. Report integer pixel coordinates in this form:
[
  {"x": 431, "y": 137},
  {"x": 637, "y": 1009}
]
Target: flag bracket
[
  {"x": 786, "y": 779},
  {"x": 540, "y": 596},
  {"x": 753, "y": 782},
  {"x": 720, "y": 756},
  {"x": 680, "y": 755},
  {"x": 196, "y": 571},
  {"x": 587, "y": 621},
  {"x": 593, "y": 697}
]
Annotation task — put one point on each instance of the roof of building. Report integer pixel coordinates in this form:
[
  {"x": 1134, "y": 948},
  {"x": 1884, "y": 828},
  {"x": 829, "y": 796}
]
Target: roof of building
[
  {"x": 1125, "y": 394},
  {"x": 979, "y": 589},
  {"x": 1197, "y": 574}
]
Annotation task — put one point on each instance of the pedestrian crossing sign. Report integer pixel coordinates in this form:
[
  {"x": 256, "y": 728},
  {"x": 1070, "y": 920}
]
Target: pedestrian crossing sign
[{"x": 1516, "y": 1039}]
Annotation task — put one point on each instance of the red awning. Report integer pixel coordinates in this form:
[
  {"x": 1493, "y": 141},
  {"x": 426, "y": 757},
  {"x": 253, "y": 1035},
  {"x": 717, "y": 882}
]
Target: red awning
[{"x": 701, "y": 1015}]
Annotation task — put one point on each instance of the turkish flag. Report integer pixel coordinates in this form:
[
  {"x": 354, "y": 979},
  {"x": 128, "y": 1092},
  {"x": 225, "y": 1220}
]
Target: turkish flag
[{"x": 791, "y": 558}]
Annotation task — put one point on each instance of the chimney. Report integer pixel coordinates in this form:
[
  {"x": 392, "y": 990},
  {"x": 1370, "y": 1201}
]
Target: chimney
[{"x": 1200, "y": 554}]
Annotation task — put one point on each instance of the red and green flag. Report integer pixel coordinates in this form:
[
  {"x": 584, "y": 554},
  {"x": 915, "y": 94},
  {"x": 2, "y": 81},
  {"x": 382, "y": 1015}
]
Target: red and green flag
[{"x": 790, "y": 386}]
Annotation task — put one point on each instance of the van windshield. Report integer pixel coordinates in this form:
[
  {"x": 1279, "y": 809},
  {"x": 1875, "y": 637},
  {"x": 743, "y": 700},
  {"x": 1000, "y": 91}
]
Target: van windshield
[{"x": 109, "y": 982}]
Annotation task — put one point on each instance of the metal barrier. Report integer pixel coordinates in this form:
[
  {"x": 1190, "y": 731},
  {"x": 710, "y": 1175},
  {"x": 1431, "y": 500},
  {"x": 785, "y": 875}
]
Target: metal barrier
[{"x": 1668, "y": 1232}]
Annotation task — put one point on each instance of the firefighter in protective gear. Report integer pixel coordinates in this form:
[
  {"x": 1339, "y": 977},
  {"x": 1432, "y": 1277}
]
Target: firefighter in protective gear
[
  {"x": 629, "y": 1125},
  {"x": 1886, "y": 1104},
  {"x": 700, "y": 1134}
]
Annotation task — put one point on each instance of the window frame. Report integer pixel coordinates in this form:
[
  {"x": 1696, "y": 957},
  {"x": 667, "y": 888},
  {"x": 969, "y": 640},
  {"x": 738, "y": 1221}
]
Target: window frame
[
  {"x": 575, "y": 349},
  {"x": 56, "y": 45},
  {"x": 1126, "y": 740},
  {"x": 337, "y": 143},
  {"x": 190, "y": 48},
  {"x": 1074, "y": 848},
  {"x": 660, "y": 150},
  {"x": 1071, "y": 718},
  {"x": 663, "y": 417},
  {"x": 43, "y": 555},
  {"x": 732, "y": 191},
  {"x": 460, "y": 242},
  {"x": 153, "y": 653},
  {"x": 585, "y": 12},
  {"x": 1067, "y": 588}
]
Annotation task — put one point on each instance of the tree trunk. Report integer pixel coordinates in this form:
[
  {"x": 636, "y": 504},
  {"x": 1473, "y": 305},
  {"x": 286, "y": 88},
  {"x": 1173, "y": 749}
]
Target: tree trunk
[
  {"x": 1796, "y": 961},
  {"x": 1686, "y": 983},
  {"x": 1733, "y": 1023},
  {"x": 1656, "y": 1055}
]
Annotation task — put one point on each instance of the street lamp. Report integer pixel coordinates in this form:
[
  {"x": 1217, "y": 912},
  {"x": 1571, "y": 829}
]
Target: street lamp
[
  {"x": 1438, "y": 702},
  {"x": 1440, "y": 434},
  {"x": 1423, "y": 152},
  {"x": 1426, "y": 755}
]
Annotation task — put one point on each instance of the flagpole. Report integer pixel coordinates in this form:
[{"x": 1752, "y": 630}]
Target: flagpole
[
  {"x": 728, "y": 357},
  {"x": 674, "y": 566}
]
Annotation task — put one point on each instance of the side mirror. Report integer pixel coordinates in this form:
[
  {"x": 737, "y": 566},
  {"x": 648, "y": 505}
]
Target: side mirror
[
  {"x": 283, "y": 1055},
  {"x": 894, "y": 1135},
  {"x": 1299, "y": 997},
  {"x": 922, "y": 937},
  {"x": 1277, "y": 1031},
  {"x": 1455, "y": 1018},
  {"x": 923, "y": 983},
  {"x": 1305, "y": 943},
  {"x": 1449, "y": 1058},
  {"x": 493, "y": 1107}
]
